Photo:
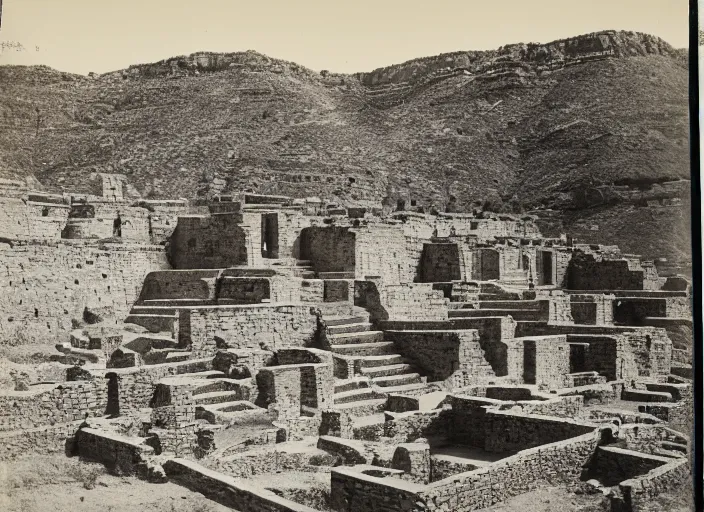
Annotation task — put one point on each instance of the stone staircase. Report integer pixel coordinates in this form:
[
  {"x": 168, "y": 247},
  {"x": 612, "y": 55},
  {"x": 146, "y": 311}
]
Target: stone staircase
[
  {"x": 304, "y": 269},
  {"x": 154, "y": 318},
  {"x": 382, "y": 370},
  {"x": 222, "y": 401},
  {"x": 520, "y": 310}
]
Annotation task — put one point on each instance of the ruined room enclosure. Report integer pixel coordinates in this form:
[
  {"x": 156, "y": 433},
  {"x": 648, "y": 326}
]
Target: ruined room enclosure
[{"x": 273, "y": 357}]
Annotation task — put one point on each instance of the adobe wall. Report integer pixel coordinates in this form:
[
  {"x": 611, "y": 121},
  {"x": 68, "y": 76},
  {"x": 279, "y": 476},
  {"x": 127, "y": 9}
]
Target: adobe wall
[
  {"x": 546, "y": 361},
  {"x": 613, "y": 464},
  {"x": 552, "y": 464},
  {"x": 226, "y": 490},
  {"x": 32, "y": 220},
  {"x": 212, "y": 241},
  {"x": 120, "y": 454},
  {"x": 330, "y": 249},
  {"x": 47, "y": 285},
  {"x": 637, "y": 493},
  {"x": 451, "y": 356},
  {"x": 440, "y": 263},
  {"x": 41, "y": 440},
  {"x": 381, "y": 250},
  {"x": 132, "y": 389},
  {"x": 179, "y": 284},
  {"x": 585, "y": 272},
  {"x": 646, "y": 352},
  {"x": 96, "y": 219},
  {"x": 247, "y": 327},
  {"x": 50, "y": 404},
  {"x": 415, "y": 301}
]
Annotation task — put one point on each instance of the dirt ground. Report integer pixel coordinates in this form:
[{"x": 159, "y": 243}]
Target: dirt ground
[
  {"x": 58, "y": 484},
  {"x": 559, "y": 499}
]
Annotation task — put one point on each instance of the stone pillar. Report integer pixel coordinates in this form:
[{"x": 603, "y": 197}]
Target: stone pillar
[{"x": 414, "y": 460}]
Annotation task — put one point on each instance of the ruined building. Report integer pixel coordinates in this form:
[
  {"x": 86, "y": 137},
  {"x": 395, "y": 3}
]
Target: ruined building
[{"x": 390, "y": 361}]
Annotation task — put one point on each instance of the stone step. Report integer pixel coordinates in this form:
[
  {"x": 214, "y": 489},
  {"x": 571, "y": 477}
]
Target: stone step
[
  {"x": 151, "y": 310},
  {"x": 153, "y": 323},
  {"x": 386, "y": 371},
  {"x": 365, "y": 349},
  {"x": 516, "y": 314},
  {"x": 397, "y": 380},
  {"x": 303, "y": 263},
  {"x": 362, "y": 407},
  {"x": 368, "y": 362},
  {"x": 175, "y": 357},
  {"x": 336, "y": 309},
  {"x": 215, "y": 384},
  {"x": 336, "y": 275},
  {"x": 216, "y": 397},
  {"x": 342, "y": 386},
  {"x": 349, "y": 328},
  {"x": 354, "y": 395},
  {"x": 342, "y": 320},
  {"x": 356, "y": 338},
  {"x": 509, "y": 304},
  {"x": 399, "y": 390},
  {"x": 207, "y": 374}
]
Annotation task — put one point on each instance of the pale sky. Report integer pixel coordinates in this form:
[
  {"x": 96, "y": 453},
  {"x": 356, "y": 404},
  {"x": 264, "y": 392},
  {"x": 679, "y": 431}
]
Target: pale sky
[{"x": 343, "y": 36}]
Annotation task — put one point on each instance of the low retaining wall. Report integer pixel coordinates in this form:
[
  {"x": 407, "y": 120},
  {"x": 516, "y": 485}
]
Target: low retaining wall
[
  {"x": 42, "y": 440},
  {"x": 550, "y": 464},
  {"x": 226, "y": 490},
  {"x": 637, "y": 493},
  {"x": 118, "y": 453}
]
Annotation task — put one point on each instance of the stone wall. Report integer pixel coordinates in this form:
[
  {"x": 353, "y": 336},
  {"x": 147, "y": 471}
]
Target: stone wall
[
  {"x": 47, "y": 285},
  {"x": 329, "y": 249},
  {"x": 248, "y": 327},
  {"x": 226, "y": 491},
  {"x": 440, "y": 262},
  {"x": 34, "y": 219},
  {"x": 612, "y": 465},
  {"x": 508, "y": 432},
  {"x": 52, "y": 403},
  {"x": 451, "y": 356},
  {"x": 586, "y": 272},
  {"x": 118, "y": 453},
  {"x": 546, "y": 361},
  {"x": 409, "y": 426},
  {"x": 637, "y": 493},
  {"x": 552, "y": 464},
  {"x": 132, "y": 389},
  {"x": 215, "y": 241},
  {"x": 41, "y": 440}
]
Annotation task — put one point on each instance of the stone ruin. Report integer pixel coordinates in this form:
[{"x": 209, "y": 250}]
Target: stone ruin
[{"x": 383, "y": 361}]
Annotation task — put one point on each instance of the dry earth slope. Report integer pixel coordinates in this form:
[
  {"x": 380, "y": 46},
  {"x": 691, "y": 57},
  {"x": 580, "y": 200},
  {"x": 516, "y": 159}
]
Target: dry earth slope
[{"x": 592, "y": 131}]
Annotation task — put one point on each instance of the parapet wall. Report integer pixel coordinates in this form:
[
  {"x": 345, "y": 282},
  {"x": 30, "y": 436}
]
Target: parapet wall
[
  {"x": 47, "y": 285},
  {"x": 50, "y": 404},
  {"x": 247, "y": 327},
  {"x": 551, "y": 464}
]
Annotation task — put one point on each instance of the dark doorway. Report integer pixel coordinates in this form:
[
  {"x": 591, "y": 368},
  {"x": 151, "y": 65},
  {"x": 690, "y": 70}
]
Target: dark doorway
[
  {"x": 529, "y": 362},
  {"x": 270, "y": 235},
  {"x": 545, "y": 271},
  {"x": 525, "y": 262},
  {"x": 117, "y": 227},
  {"x": 489, "y": 265},
  {"x": 113, "y": 406}
]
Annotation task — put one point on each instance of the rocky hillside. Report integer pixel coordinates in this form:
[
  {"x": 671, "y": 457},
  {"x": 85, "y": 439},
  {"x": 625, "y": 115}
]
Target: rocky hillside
[{"x": 578, "y": 126}]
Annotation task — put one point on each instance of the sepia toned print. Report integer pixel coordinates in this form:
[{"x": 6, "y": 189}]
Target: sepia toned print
[{"x": 461, "y": 282}]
